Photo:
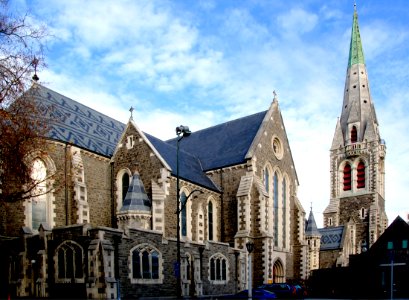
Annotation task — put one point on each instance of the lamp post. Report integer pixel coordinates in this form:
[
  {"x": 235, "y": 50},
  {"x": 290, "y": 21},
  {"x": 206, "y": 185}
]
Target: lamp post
[
  {"x": 250, "y": 248},
  {"x": 181, "y": 132}
]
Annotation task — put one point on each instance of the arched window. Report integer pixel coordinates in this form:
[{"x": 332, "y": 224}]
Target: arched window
[
  {"x": 210, "y": 220},
  {"x": 40, "y": 208},
  {"x": 284, "y": 191},
  {"x": 218, "y": 268},
  {"x": 361, "y": 175},
  {"x": 275, "y": 207},
  {"x": 354, "y": 135},
  {"x": 69, "y": 261},
  {"x": 39, "y": 201},
  {"x": 122, "y": 181},
  {"x": 145, "y": 262},
  {"x": 266, "y": 179},
  {"x": 125, "y": 185},
  {"x": 347, "y": 177}
]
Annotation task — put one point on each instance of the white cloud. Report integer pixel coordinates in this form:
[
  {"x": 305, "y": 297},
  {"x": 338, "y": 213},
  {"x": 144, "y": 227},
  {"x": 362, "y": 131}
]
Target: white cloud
[
  {"x": 297, "y": 21},
  {"x": 215, "y": 62}
]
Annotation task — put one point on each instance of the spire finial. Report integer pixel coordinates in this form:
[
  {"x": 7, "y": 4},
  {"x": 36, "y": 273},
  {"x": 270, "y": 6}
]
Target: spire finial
[
  {"x": 275, "y": 96},
  {"x": 131, "y": 110},
  {"x": 35, "y": 62}
]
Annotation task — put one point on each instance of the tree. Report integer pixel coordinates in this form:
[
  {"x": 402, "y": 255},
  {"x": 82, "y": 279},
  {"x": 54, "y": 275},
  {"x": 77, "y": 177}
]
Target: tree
[{"x": 21, "y": 123}]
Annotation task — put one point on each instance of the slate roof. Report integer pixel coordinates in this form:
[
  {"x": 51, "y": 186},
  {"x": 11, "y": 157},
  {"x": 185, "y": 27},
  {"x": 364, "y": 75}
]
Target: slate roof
[
  {"x": 331, "y": 237},
  {"x": 77, "y": 124},
  {"x": 225, "y": 144},
  {"x": 218, "y": 146},
  {"x": 190, "y": 168},
  {"x": 136, "y": 198},
  {"x": 311, "y": 228}
]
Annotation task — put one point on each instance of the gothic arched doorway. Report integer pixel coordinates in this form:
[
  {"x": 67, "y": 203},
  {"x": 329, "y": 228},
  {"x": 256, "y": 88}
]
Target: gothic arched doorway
[{"x": 278, "y": 272}]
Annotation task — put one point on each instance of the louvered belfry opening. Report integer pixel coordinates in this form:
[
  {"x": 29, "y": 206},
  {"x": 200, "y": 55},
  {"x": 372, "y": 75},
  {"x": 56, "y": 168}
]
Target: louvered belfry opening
[
  {"x": 347, "y": 177},
  {"x": 361, "y": 175},
  {"x": 354, "y": 135}
]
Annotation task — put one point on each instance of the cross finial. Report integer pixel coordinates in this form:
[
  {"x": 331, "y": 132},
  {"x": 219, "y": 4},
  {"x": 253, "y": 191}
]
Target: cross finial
[
  {"x": 311, "y": 205},
  {"x": 131, "y": 110},
  {"x": 275, "y": 95}
]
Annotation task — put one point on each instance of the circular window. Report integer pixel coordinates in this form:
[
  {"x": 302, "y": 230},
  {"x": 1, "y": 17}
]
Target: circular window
[{"x": 277, "y": 148}]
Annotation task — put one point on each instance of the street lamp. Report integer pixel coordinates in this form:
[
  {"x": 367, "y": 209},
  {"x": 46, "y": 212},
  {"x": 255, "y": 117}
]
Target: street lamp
[
  {"x": 250, "y": 248},
  {"x": 181, "y": 132}
]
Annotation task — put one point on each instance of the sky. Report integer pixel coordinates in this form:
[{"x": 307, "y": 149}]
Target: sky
[{"x": 201, "y": 63}]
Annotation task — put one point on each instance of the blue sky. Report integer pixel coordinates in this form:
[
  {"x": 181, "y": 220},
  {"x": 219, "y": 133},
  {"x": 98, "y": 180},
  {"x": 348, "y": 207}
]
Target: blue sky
[{"x": 200, "y": 63}]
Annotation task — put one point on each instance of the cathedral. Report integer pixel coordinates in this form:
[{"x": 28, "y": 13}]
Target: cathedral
[
  {"x": 122, "y": 199},
  {"x": 129, "y": 215},
  {"x": 355, "y": 216}
]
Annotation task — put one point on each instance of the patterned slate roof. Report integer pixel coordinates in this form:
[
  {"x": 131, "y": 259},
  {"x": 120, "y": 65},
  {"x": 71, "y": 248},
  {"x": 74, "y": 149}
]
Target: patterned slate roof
[
  {"x": 225, "y": 144},
  {"x": 211, "y": 148},
  {"x": 331, "y": 237},
  {"x": 77, "y": 124},
  {"x": 136, "y": 198}
]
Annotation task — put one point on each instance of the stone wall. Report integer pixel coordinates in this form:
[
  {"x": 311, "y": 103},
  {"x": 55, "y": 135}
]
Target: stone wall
[
  {"x": 98, "y": 181},
  {"x": 328, "y": 258},
  {"x": 228, "y": 179},
  {"x": 133, "y": 153}
]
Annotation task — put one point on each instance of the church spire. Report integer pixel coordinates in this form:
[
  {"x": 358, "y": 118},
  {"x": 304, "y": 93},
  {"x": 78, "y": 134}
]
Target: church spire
[
  {"x": 358, "y": 122},
  {"x": 356, "y": 54},
  {"x": 357, "y": 156}
]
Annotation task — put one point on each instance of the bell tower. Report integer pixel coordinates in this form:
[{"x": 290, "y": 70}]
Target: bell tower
[{"x": 357, "y": 157}]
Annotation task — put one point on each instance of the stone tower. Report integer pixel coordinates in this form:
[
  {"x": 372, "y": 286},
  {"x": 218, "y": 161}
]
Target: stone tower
[
  {"x": 357, "y": 158},
  {"x": 313, "y": 237}
]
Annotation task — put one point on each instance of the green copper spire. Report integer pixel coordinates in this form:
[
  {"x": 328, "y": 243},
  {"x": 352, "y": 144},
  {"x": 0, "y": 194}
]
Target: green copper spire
[{"x": 356, "y": 54}]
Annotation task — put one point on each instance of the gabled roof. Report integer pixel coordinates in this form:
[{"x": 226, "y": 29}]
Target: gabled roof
[
  {"x": 218, "y": 146},
  {"x": 225, "y": 144},
  {"x": 77, "y": 124},
  {"x": 396, "y": 232},
  {"x": 331, "y": 237}
]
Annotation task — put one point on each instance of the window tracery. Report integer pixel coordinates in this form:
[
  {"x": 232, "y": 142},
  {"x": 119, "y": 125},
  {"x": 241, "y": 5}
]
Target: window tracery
[{"x": 145, "y": 264}]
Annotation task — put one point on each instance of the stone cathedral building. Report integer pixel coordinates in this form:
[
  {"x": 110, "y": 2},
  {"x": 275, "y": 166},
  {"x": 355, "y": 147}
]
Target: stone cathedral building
[
  {"x": 108, "y": 227},
  {"x": 355, "y": 216}
]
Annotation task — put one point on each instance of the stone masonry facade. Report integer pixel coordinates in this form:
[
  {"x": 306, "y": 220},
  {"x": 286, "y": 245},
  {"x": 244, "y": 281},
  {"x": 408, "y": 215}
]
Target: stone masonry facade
[{"x": 91, "y": 245}]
